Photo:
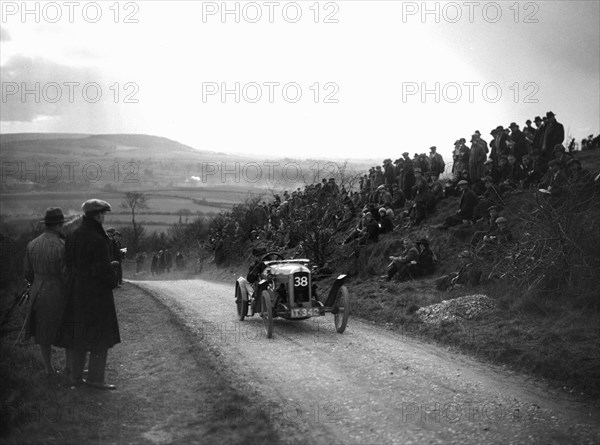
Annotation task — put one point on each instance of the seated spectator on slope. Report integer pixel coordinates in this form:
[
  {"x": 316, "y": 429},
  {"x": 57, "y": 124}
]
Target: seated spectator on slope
[
  {"x": 385, "y": 223},
  {"x": 513, "y": 175},
  {"x": 435, "y": 187},
  {"x": 501, "y": 236},
  {"x": 490, "y": 225},
  {"x": 468, "y": 201},
  {"x": 554, "y": 183},
  {"x": 491, "y": 171},
  {"x": 562, "y": 157},
  {"x": 530, "y": 174},
  {"x": 401, "y": 263},
  {"x": 491, "y": 197},
  {"x": 425, "y": 264},
  {"x": 398, "y": 199}
]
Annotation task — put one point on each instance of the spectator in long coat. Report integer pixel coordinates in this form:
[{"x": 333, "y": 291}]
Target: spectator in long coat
[
  {"x": 408, "y": 176},
  {"x": 90, "y": 321},
  {"x": 436, "y": 162},
  {"x": 553, "y": 135},
  {"x": 520, "y": 142},
  {"x": 477, "y": 157},
  {"x": 44, "y": 268}
]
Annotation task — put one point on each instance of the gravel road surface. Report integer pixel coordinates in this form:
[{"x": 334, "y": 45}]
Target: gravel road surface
[{"x": 371, "y": 385}]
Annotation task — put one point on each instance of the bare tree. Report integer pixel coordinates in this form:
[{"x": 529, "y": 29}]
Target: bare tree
[{"x": 135, "y": 201}]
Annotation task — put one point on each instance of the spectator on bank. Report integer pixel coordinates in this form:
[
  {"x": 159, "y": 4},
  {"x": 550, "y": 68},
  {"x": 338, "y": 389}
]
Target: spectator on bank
[
  {"x": 553, "y": 135},
  {"x": 477, "y": 157},
  {"x": 467, "y": 204},
  {"x": 437, "y": 166},
  {"x": 519, "y": 148},
  {"x": 425, "y": 264},
  {"x": 400, "y": 264}
]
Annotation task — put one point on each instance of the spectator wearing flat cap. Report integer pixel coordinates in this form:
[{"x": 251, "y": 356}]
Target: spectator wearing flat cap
[
  {"x": 437, "y": 166},
  {"x": 468, "y": 201},
  {"x": 45, "y": 270},
  {"x": 477, "y": 157},
  {"x": 562, "y": 157},
  {"x": 389, "y": 174},
  {"x": 90, "y": 322},
  {"x": 554, "y": 184}
]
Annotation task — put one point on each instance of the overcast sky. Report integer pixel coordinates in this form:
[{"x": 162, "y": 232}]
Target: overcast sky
[{"x": 360, "y": 70}]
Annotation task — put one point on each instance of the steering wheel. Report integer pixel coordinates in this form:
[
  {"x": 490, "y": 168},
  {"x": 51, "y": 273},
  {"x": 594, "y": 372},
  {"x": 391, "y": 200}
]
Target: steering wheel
[{"x": 268, "y": 256}]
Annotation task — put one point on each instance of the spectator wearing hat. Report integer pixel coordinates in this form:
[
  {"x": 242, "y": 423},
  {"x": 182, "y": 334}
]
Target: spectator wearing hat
[
  {"x": 554, "y": 134},
  {"x": 464, "y": 153},
  {"x": 378, "y": 178},
  {"x": 519, "y": 148},
  {"x": 529, "y": 133},
  {"x": 530, "y": 174},
  {"x": 490, "y": 226},
  {"x": 408, "y": 176},
  {"x": 389, "y": 174},
  {"x": 44, "y": 268},
  {"x": 477, "y": 157},
  {"x": 435, "y": 188},
  {"x": 425, "y": 264},
  {"x": 562, "y": 157},
  {"x": 468, "y": 201},
  {"x": 437, "y": 166},
  {"x": 386, "y": 224},
  {"x": 554, "y": 183},
  {"x": 384, "y": 196},
  {"x": 581, "y": 181},
  {"x": 400, "y": 264},
  {"x": 499, "y": 145},
  {"x": 422, "y": 200},
  {"x": 90, "y": 318}
]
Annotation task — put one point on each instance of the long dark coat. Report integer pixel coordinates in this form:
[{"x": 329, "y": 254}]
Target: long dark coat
[
  {"x": 90, "y": 317},
  {"x": 44, "y": 267}
]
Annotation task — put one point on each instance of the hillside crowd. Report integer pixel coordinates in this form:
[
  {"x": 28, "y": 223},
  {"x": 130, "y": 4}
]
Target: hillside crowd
[{"x": 405, "y": 192}]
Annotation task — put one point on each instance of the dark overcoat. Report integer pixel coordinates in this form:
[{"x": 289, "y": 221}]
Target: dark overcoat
[{"x": 90, "y": 318}]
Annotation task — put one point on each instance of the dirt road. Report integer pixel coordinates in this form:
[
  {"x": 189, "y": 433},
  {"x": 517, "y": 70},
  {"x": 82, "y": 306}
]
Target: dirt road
[{"x": 370, "y": 385}]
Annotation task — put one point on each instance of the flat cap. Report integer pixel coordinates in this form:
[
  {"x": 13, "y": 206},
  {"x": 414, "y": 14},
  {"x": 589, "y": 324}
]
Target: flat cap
[
  {"x": 502, "y": 219},
  {"x": 95, "y": 205},
  {"x": 110, "y": 230},
  {"x": 463, "y": 182}
]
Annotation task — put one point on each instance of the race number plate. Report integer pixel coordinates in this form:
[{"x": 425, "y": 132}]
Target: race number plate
[{"x": 305, "y": 312}]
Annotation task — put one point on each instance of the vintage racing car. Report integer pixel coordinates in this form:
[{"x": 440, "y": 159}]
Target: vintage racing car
[{"x": 276, "y": 287}]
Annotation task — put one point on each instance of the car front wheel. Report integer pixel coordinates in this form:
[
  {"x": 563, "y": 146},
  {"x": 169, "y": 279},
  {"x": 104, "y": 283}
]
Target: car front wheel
[
  {"x": 267, "y": 313},
  {"x": 242, "y": 305},
  {"x": 341, "y": 310}
]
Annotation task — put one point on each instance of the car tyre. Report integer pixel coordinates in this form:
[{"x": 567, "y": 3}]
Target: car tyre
[
  {"x": 266, "y": 312},
  {"x": 341, "y": 310},
  {"x": 242, "y": 305}
]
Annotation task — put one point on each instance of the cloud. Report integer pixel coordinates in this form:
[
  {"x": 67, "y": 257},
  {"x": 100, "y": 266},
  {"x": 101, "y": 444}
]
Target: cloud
[
  {"x": 4, "y": 35},
  {"x": 35, "y": 88}
]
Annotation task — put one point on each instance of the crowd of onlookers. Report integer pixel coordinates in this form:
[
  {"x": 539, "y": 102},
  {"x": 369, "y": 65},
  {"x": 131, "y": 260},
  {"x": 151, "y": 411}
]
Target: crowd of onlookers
[{"x": 405, "y": 192}]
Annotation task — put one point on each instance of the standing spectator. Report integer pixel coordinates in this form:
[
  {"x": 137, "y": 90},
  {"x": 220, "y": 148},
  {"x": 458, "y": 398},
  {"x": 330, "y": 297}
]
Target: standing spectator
[
  {"x": 162, "y": 264},
  {"x": 168, "y": 260},
  {"x": 154, "y": 264},
  {"x": 179, "y": 263},
  {"x": 554, "y": 134},
  {"x": 378, "y": 178},
  {"x": 119, "y": 255},
  {"x": 520, "y": 142},
  {"x": 91, "y": 318},
  {"x": 44, "y": 268},
  {"x": 477, "y": 157},
  {"x": 437, "y": 166},
  {"x": 408, "y": 176},
  {"x": 389, "y": 174},
  {"x": 140, "y": 259},
  {"x": 499, "y": 144},
  {"x": 529, "y": 133}
]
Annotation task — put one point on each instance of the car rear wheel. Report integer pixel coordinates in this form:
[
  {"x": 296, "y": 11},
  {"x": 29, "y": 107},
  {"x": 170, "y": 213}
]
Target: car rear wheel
[
  {"x": 242, "y": 306},
  {"x": 266, "y": 313},
  {"x": 341, "y": 310}
]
